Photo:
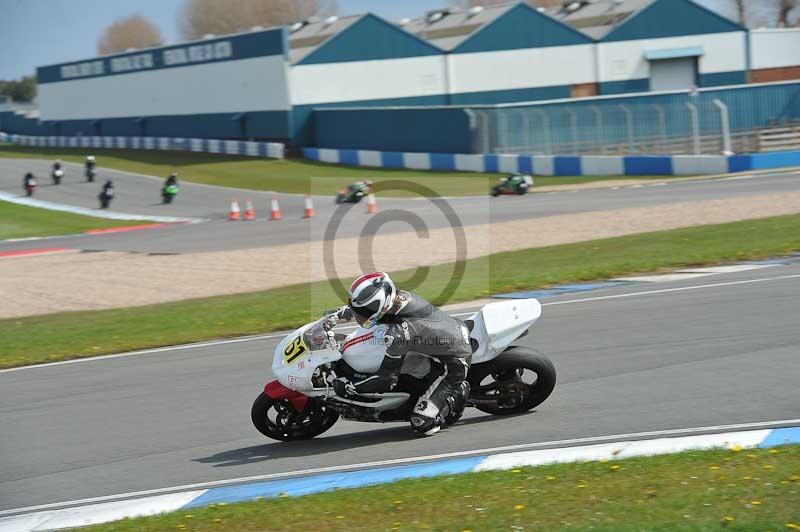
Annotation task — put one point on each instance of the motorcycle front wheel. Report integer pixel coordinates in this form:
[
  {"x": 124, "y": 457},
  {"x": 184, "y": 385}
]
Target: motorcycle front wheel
[
  {"x": 278, "y": 419},
  {"x": 517, "y": 381}
]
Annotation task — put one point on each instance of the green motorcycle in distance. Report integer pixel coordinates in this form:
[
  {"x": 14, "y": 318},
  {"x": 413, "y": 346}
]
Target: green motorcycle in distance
[
  {"x": 515, "y": 184},
  {"x": 354, "y": 193},
  {"x": 169, "y": 192}
]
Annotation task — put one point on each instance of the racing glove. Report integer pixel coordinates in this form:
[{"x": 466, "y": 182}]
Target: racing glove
[{"x": 344, "y": 387}]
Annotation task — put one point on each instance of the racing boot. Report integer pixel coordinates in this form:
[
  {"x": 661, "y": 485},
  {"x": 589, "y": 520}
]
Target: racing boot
[
  {"x": 457, "y": 402},
  {"x": 426, "y": 418}
]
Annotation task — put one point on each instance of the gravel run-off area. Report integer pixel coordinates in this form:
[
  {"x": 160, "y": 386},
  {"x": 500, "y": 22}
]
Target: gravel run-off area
[{"x": 88, "y": 281}]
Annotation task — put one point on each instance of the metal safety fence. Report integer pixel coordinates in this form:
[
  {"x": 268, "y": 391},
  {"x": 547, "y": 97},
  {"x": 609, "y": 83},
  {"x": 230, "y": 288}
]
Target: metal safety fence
[{"x": 710, "y": 121}]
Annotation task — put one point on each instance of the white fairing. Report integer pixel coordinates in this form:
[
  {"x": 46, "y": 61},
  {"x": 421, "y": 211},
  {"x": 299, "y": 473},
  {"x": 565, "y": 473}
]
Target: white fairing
[
  {"x": 364, "y": 349},
  {"x": 497, "y": 325},
  {"x": 297, "y": 373}
]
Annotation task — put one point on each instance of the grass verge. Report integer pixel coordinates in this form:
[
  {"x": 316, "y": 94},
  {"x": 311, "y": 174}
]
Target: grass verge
[
  {"x": 61, "y": 336},
  {"x": 287, "y": 175},
  {"x": 20, "y": 221},
  {"x": 708, "y": 490}
]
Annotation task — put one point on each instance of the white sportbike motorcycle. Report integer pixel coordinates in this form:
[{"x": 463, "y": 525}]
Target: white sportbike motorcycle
[{"x": 301, "y": 403}]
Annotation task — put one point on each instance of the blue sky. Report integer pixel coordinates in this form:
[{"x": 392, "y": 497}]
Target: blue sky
[{"x": 40, "y": 32}]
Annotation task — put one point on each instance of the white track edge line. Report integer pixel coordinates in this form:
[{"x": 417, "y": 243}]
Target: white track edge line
[
  {"x": 400, "y": 461},
  {"x": 279, "y": 334}
]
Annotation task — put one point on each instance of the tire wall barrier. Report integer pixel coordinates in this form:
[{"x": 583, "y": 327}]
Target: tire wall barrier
[
  {"x": 273, "y": 150},
  {"x": 558, "y": 165}
]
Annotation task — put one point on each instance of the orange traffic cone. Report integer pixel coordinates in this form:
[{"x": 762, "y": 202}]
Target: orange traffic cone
[
  {"x": 309, "y": 212},
  {"x": 275, "y": 209},
  {"x": 249, "y": 212},
  {"x": 235, "y": 213},
  {"x": 372, "y": 206}
]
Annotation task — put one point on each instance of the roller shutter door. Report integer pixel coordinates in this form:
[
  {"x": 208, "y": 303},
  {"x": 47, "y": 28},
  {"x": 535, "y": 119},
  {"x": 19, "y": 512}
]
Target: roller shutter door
[{"x": 673, "y": 74}]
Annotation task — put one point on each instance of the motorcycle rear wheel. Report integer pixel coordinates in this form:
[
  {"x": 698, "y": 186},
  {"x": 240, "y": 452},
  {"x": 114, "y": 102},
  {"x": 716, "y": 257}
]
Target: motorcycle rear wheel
[
  {"x": 506, "y": 373},
  {"x": 278, "y": 419}
]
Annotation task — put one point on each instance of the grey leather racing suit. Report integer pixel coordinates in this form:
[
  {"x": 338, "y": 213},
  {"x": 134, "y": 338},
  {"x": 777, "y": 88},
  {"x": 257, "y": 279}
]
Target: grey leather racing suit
[{"x": 419, "y": 328}]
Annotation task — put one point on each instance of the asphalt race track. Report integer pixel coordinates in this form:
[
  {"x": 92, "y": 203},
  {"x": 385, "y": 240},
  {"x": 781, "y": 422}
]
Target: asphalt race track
[
  {"x": 140, "y": 195},
  {"x": 722, "y": 351}
]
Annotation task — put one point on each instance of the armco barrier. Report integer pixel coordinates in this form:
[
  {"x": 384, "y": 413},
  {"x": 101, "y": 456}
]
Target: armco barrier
[
  {"x": 273, "y": 150},
  {"x": 559, "y": 165}
]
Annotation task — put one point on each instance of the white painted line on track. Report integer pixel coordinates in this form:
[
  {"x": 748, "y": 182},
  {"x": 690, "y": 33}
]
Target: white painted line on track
[
  {"x": 667, "y": 290},
  {"x": 211, "y": 343},
  {"x": 400, "y": 461}
]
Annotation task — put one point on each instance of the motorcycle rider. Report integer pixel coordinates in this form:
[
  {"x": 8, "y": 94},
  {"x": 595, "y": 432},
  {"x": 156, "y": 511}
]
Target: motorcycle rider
[
  {"x": 29, "y": 184},
  {"x": 408, "y": 324},
  {"x": 106, "y": 194},
  {"x": 56, "y": 168},
  {"x": 90, "y": 166},
  {"x": 171, "y": 180}
]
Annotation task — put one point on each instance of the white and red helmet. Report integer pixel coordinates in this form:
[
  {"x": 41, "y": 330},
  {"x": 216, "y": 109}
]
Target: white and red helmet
[{"x": 371, "y": 296}]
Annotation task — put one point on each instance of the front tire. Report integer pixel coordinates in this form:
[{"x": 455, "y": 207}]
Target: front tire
[
  {"x": 278, "y": 419},
  {"x": 505, "y": 377}
]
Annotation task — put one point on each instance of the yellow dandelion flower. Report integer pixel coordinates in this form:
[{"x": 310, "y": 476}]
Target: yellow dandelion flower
[
  {"x": 519, "y": 507},
  {"x": 188, "y": 516},
  {"x": 181, "y": 527},
  {"x": 736, "y": 448},
  {"x": 217, "y": 520},
  {"x": 794, "y": 478},
  {"x": 516, "y": 470},
  {"x": 615, "y": 467},
  {"x": 774, "y": 451},
  {"x": 398, "y": 502},
  {"x": 339, "y": 517},
  {"x": 728, "y": 519},
  {"x": 751, "y": 455},
  {"x": 755, "y": 503},
  {"x": 549, "y": 478},
  {"x": 769, "y": 466},
  {"x": 792, "y": 526},
  {"x": 714, "y": 467},
  {"x": 747, "y": 478}
]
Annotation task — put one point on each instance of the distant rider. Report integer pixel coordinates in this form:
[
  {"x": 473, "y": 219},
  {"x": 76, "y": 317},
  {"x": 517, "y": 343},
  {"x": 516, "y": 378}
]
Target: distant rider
[
  {"x": 90, "y": 167},
  {"x": 172, "y": 180},
  {"x": 106, "y": 194},
  {"x": 29, "y": 183},
  {"x": 408, "y": 324}
]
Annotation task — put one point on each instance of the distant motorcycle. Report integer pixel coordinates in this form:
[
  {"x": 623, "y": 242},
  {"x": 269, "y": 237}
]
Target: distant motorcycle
[
  {"x": 516, "y": 184},
  {"x": 57, "y": 174},
  {"x": 168, "y": 193},
  {"x": 90, "y": 174},
  {"x": 29, "y": 184},
  {"x": 106, "y": 195},
  {"x": 354, "y": 193}
]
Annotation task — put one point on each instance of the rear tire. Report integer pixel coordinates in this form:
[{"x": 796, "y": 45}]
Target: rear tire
[
  {"x": 505, "y": 370},
  {"x": 277, "y": 419}
]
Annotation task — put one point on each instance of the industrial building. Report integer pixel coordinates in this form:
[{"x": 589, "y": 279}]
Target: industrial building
[{"x": 266, "y": 83}]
